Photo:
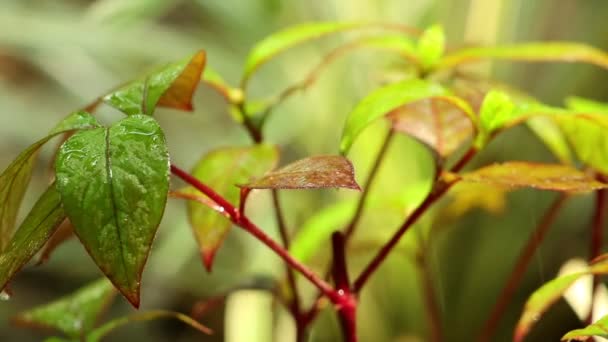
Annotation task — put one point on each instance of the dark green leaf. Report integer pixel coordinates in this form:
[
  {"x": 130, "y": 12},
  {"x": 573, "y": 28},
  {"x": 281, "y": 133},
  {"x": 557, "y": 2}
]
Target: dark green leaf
[
  {"x": 310, "y": 173},
  {"x": 287, "y": 38},
  {"x": 443, "y": 122},
  {"x": 222, "y": 169},
  {"x": 515, "y": 174},
  {"x": 431, "y": 46},
  {"x": 114, "y": 183},
  {"x": 36, "y": 229},
  {"x": 598, "y": 328},
  {"x": 531, "y": 52},
  {"x": 75, "y": 314},
  {"x": 381, "y": 102},
  {"x": 16, "y": 177},
  {"x": 97, "y": 334},
  {"x": 171, "y": 86}
]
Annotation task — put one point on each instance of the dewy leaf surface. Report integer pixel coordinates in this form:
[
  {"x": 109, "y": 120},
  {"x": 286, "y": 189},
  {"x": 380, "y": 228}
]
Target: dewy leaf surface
[
  {"x": 75, "y": 314},
  {"x": 540, "y": 301},
  {"x": 310, "y": 173},
  {"x": 36, "y": 229},
  {"x": 382, "y": 101},
  {"x": 287, "y": 38},
  {"x": 16, "y": 177},
  {"x": 530, "y": 52},
  {"x": 171, "y": 86},
  {"x": 556, "y": 177},
  {"x": 222, "y": 169},
  {"x": 443, "y": 123},
  {"x": 114, "y": 183}
]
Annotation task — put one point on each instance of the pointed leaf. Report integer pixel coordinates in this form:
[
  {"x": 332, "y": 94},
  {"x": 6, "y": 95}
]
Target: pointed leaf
[
  {"x": 431, "y": 46},
  {"x": 540, "y": 301},
  {"x": 556, "y": 177},
  {"x": 36, "y": 229},
  {"x": 16, "y": 177},
  {"x": 287, "y": 38},
  {"x": 310, "y": 173},
  {"x": 530, "y": 52},
  {"x": 443, "y": 123},
  {"x": 381, "y": 102},
  {"x": 114, "y": 183},
  {"x": 97, "y": 334},
  {"x": 222, "y": 169},
  {"x": 598, "y": 328},
  {"x": 75, "y": 314},
  {"x": 171, "y": 86}
]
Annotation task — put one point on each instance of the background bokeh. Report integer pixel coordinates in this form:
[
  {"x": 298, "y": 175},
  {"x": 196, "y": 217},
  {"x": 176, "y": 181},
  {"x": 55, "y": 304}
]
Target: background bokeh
[{"x": 56, "y": 56}]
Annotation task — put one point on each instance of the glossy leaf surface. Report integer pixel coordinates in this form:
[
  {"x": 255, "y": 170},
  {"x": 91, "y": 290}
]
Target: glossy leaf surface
[
  {"x": 171, "y": 86},
  {"x": 310, "y": 173},
  {"x": 97, "y": 334},
  {"x": 540, "y": 301},
  {"x": 443, "y": 123},
  {"x": 75, "y": 314},
  {"x": 515, "y": 174},
  {"x": 36, "y": 229},
  {"x": 114, "y": 183},
  {"x": 223, "y": 169},
  {"x": 16, "y": 177},
  {"x": 287, "y": 38},
  {"x": 382, "y": 101},
  {"x": 531, "y": 52}
]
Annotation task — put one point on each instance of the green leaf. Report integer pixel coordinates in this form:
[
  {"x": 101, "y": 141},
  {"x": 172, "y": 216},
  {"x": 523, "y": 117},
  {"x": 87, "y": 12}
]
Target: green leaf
[
  {"x": 97, "y": 334},
  {"x": 580, "y": 104},
  {"x": 222, "y": 169},
  {"x": 381, "y": 102},
  {"x": 310, "y": 173},
  {"x": 16, "y": 177},
  {"x": 171, "y": 86},
  {"x": 588, "y": 136},
  {"x": 514, "y": 174},
  {"x": 75, "y": 314},
  {"x": 36, "y": 229},
  {"x": 282, "y": 40},
  {"x": 530, "y": 52},
  {"x": 442, "y": 123},
  {"x": 431, "y": 46},
  {"x": 114, "y": 183},
  {"x": 540, "y": 301},
  {"x": 319, "y": 227},
  {"x": 598, "y": 328},
  {"x": 550, "y": 134}
]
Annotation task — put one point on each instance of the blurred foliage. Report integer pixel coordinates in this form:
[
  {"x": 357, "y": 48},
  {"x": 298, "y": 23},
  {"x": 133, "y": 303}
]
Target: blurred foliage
[{"x": 56, "y": 56}]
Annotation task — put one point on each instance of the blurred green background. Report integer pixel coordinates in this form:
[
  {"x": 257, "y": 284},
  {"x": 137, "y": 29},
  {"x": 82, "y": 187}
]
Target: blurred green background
[{"x": 56, "y": 56}]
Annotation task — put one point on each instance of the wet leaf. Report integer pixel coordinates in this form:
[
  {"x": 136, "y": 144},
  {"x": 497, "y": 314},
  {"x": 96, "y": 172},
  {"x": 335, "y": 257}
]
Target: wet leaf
[
  {"x": 540, "y": 301},
  {"x": 75, "y": 314},
  {"x": 222, "y": 169},
  {"x": 431, "y": 46},
  {"x": 310, "y": 173},
  {"x": 287, "y": 38},
  {"x": 556, "y": 177},
  {"x": 171, "y": 86},
  {"x": 97, "y": 334},
  {"x": 382, "y": 101},
  {"x": 36, "y": 229},
  {"x": 114, "y": 183},
  {"x": 599, "y": 328},
  {"x": 16, "y": 177},
  {"x": 530, "y": 52},
  {"x": 443, "y": 123},
  {"x": 318, "y": 229}
]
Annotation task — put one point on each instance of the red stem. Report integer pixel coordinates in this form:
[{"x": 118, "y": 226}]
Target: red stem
[
  {"x": 519, "y": 269},
  {"x": 347, "y": 309},
  {"x": 244, "y": 222}
]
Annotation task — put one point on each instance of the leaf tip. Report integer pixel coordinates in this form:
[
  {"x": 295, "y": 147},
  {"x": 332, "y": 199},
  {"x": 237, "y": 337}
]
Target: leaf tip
[{"x": 208, "y": 256}]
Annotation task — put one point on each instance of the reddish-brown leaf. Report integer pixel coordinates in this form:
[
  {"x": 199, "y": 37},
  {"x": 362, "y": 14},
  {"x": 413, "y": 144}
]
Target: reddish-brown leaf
[
  {"x": 179, "y": 95},
  {"x": 61, "y": 235},
  {"x": 310, "y": 173},
  {"x": 516, "y": 174}
]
